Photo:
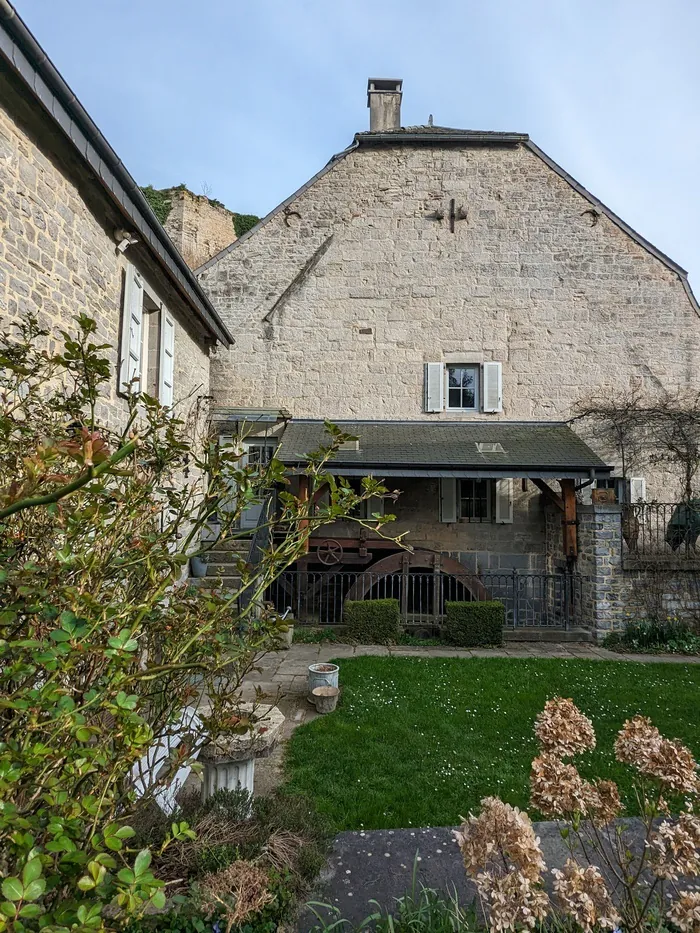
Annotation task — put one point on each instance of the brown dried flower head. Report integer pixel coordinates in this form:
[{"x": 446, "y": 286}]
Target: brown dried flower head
[
  {"x": 512, "y": 901},
  {"x": 584, "y": 897},
  {"x": 685, "y": 912},
  {"x": 675, "y": 848},
  {"x": 563, "y": 730},
  {"x": 558, "y": 790},
  {"x": 241, "y": 890},
  {"x": 641, "y": 745},
  {"x": 500, "y": 831}
]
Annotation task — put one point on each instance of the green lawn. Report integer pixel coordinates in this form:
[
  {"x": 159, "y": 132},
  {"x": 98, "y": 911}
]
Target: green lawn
[{"x": 418, "y": 742}]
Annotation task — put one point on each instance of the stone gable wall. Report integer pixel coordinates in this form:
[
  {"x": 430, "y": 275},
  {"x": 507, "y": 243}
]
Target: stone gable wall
[
  {"x": 568, "y": 302},
  {"x": 58, "y": 257},
  {"x": 198, "y": 228}
]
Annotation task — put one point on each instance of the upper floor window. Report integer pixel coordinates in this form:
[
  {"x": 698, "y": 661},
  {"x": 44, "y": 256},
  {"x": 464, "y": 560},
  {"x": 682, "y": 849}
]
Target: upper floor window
[
  {"x": 465, "y": 387},
  {"x": 147, "y": 354},
  {"x": 462, "y": 388}
]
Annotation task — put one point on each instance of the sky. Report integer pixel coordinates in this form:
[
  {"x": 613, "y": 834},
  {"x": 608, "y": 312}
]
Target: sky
[{"x": 245, "y": 100}]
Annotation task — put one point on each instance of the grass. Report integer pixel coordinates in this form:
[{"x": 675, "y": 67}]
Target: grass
[{"x": 419, "y": 741}]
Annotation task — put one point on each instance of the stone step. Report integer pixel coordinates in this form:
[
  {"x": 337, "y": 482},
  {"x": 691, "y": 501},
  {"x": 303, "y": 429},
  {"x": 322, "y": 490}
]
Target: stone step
[
  {"x": 549, "y": 633},
  {"x": 235, "y": 545},
  {"x": 227, "y": 583},
  {"x": 226, "y": 557}
]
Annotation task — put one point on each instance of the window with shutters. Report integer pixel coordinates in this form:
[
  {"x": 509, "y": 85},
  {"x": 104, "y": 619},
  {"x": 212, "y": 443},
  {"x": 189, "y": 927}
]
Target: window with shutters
[
  {"x": 463, "y": 387},
  {"x": 147, "y": 355}
]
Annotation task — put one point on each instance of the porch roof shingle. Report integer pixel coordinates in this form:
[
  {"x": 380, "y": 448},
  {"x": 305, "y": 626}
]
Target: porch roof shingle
[{"x": 422, "y": 448}]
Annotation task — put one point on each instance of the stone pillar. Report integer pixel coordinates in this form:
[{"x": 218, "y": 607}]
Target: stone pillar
[{"x": 600, "y": 562}]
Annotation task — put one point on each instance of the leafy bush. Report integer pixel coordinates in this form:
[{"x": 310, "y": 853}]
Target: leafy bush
[
  {"x": 102, "y": 645},
  {"x": 653, "y": 636},
  {"x": 280, "y": 834},
  {"x": 373, "y": 621},
  {"x": 306, "y": 635},
  {"x": 242, "y": 223},
  {"x": 469, "y": 625}
]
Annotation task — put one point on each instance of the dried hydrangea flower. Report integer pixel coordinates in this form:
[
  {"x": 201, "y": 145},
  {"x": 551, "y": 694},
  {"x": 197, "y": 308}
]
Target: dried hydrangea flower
[
  {"x": 584, "y": 897},
  {"x": 240, "y": 890},
  {"x": 563, "y": 730},
  {"x": 685, "y": 912},
  {"x": 603, "y": 803},
  {"x": 556, "y": 788},
  {"x": 675, "y": 848},
  {"x": 512, "y": 901},
  {"x": 500, "y": 831},
  {"x": 641, "y": 745}
]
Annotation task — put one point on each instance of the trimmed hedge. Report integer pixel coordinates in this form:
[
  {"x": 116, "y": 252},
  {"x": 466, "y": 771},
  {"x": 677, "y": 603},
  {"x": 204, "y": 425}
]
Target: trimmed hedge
[
  {"x": 474, "y": 624},
  {"x": 373, "y": 621}
]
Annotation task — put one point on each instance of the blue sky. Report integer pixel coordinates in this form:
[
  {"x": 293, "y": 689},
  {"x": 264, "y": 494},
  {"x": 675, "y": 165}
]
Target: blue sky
[{"x": 252, "y": 97}]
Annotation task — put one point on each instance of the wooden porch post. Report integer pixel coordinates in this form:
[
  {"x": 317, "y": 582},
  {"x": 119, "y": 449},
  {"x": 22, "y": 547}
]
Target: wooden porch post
[{"x": 568, "y": 495}]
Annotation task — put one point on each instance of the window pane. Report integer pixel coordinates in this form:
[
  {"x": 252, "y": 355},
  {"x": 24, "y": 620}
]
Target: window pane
[
  {"x": 467, "y": 377},
  {"x": 455, "y": 398},
  {"x": 453, "y": 375},
  {"x": 468, "y": 398}
]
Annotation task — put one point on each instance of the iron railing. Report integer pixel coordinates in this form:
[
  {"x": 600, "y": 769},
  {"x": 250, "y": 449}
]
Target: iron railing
[
  {"x": 661, "y": 533},
  {"x": 530, "y": 599}
]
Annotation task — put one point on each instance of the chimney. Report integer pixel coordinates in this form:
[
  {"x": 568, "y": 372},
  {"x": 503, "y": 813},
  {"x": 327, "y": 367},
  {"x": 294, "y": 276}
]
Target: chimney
[{"x": 384, "y": 102}]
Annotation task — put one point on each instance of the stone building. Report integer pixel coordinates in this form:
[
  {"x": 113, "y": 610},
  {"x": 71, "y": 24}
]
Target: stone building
[
  {"x": 199, "y": 227},
  {"x": 77, "y": 235},
  {"x": 448, "y": 296}
]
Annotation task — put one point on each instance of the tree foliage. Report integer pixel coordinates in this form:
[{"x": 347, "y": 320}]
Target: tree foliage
[
  {"x": 102, "y": 640},
  {"x": 242, "y": 223}
]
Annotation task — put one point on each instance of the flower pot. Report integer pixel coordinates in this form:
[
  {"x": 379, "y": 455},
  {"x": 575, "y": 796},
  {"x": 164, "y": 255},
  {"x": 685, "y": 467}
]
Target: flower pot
[
  {"x": 325, "y": 698},
  {"x": 322, "y": 674},
  {"x": 198, "y": 567}
]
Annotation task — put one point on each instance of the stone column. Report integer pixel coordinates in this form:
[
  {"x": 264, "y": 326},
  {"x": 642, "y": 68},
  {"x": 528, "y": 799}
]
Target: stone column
[{"x": 600, "y": 562}]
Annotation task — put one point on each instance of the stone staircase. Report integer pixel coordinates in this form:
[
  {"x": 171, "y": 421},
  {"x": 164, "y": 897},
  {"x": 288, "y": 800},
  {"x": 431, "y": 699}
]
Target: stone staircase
[{"x": 223, "y": 559}]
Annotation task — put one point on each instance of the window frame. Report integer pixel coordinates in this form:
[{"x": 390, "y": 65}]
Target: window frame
[
  {"x": 489, "y": 518},
  {"x": 477, "y": 370}
]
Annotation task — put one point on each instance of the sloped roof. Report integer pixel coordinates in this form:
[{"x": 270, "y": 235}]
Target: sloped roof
[
  {"x": 48, "y": 91},
  {"x": 435, "y": 448}
]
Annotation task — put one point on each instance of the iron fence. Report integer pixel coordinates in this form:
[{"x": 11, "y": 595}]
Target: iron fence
[
  {"x": 659, "y": 533},
  {"x": 530, "y": 599}
]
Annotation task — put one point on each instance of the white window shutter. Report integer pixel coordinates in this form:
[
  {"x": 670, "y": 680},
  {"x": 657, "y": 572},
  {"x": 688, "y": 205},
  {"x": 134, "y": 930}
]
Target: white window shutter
[
  {"x": 448, "y": 500},
  {"x": 434, "y": 387},
  {"x": 638, "y": 489},
  {"x": 166, "y": 363},
  {"x": 375, "y": 504},
  {"x": 493, "y": 387},
  {"x": 130, "y": 364},
  {"x": 504, "y": 501}
]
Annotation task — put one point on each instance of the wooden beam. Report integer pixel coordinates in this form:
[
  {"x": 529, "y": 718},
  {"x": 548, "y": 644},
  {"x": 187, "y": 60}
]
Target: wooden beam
[
  {"x": 569, "y": 521},
  {"x": 550, "y": 494}
]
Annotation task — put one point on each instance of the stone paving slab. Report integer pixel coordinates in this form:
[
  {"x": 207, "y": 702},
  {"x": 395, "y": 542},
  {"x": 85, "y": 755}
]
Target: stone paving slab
[{"x": 378, "y": 865}]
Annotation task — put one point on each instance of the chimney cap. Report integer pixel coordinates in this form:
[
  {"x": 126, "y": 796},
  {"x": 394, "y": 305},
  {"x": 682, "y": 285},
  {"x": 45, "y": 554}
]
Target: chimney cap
[{"x": 383, "y": 86}]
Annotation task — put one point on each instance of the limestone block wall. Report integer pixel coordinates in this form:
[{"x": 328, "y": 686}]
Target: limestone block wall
[
  {"x": 197, "y": 227},
  {"x": 58, "y": 257},
  {"x": 339, "y": 299}
]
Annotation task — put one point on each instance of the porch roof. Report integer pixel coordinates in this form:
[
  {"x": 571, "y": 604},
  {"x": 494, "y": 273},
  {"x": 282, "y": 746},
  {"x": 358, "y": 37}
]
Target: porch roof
[{"x": 461, "y": 449}]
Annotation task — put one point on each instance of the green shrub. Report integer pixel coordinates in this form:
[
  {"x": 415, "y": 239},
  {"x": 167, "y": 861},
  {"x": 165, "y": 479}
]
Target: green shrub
[
  {"x": 373, "y": 621},
  {"x": 242, "y": 223},
  {"x": 473, "y": 624},
  {"x": 652, "y": 635}
]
